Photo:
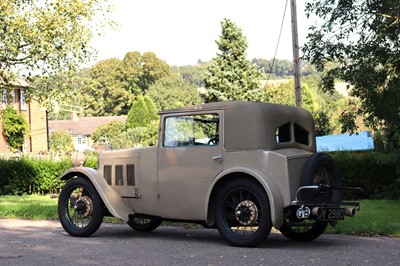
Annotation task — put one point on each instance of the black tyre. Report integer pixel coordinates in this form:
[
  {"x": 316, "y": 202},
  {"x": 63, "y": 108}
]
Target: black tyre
[
  {"x": 320, "y": 169},
  {"x": 306, "y": 230},
  {"x": 143, "y": 224},
  {"x": 243, "y": 215},
  {"x": 80, "y": 208}
]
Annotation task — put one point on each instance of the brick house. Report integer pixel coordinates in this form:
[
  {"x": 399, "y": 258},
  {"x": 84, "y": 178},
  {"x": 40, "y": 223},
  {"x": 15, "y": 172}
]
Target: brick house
[
  {"x": 34, "y": 114},
  {"x": 81, "y": 128}
]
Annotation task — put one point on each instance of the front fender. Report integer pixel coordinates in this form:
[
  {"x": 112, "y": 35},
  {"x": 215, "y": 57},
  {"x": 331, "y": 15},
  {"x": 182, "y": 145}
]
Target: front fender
[
  {"x": 110, "y": 197},
  {"x": 274, "y": 195}
]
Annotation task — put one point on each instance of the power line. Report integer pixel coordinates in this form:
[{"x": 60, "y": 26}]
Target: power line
[{"x": 277, "y": 44}]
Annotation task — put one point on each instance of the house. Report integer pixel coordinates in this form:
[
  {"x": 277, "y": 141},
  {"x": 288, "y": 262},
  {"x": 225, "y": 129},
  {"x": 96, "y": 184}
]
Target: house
[
  {"x": 81, "y": 128},
  {"x": 34, "y": 114}
]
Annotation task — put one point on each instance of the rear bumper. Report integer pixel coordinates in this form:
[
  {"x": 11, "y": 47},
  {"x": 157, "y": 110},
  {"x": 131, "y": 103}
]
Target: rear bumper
[{"x": 324, "y": 203}]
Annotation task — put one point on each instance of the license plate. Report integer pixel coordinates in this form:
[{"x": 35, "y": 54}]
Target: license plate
[{"x": 330, "y": 214}]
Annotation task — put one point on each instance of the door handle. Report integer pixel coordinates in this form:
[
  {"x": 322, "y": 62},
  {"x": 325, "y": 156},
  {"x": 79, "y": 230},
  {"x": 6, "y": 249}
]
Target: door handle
[{"x": 218, "y": 159}]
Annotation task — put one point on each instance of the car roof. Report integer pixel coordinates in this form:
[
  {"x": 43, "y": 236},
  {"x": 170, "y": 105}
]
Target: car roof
[{"x": 254, "y": 125}]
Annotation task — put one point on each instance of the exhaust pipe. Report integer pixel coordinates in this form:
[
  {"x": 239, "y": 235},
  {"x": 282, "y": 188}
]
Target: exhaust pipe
[
  {"x": 350, "y": 212},
  {"x": 318, "y": 212}
]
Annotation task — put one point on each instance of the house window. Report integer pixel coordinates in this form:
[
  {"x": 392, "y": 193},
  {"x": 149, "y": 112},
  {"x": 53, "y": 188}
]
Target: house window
[
  {"x": 14, "y": 99},
  {"x": 22, "y": 100},
  {"x": 4, "y": 99},
  {"x": 81, "y": 139}
]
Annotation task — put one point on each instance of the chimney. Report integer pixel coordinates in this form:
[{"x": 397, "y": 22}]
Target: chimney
[{"x": 74, "y": 116}]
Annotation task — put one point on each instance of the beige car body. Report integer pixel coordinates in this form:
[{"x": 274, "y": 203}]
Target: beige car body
[{"x": 266, "y": 142}]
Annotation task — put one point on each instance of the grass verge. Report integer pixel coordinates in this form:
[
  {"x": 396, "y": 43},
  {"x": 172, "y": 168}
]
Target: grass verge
[{"x": 376, "y": 217}]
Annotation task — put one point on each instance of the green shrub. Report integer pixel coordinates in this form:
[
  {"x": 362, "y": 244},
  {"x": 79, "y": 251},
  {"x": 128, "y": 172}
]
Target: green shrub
[
  {"x": 26, "y": 176},
  {"x": 377, "y": 173},
  {"x": 35, "y": 176}
]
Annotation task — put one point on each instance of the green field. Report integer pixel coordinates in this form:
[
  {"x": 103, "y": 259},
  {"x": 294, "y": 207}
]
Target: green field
[{"x": 376, "y": 217}]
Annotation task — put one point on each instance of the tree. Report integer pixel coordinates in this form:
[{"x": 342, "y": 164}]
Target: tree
[
  {"x": 283, "y": 93},
  {"x": 105, "y": 134},
  {"x": 230, "y": 76},
  {"x": 141, "y": 71},
  {"x": 61, "y": 142},
  {"x": 108, "y": 94},
  {"x": 172, "y": 91},
  {"x": 47, "y": 35},
  {"x": 142, "y": 113},
  {"x": 362, "y": 38},
  {"x": 15, "y": 128}
]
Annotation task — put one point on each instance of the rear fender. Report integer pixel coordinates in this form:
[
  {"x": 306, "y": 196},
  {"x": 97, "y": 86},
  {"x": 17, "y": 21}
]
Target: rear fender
[
  {"x": 110, "y": 197},
  {"x": 274, "y": 195}
]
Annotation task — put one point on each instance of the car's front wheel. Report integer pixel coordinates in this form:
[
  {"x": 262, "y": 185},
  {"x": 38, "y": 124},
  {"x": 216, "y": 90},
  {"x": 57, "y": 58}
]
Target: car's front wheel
[
  {"x": 80, "y": 208},
  {"x": 243, "y": 214}
]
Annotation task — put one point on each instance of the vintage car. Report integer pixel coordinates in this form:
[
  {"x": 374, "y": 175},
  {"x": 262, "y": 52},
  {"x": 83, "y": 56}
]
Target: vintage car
[{"x": 240, "y": 167}]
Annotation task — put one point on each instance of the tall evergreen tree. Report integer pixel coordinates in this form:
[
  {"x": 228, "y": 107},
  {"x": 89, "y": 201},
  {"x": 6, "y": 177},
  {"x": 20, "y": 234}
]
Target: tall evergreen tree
[
  {"x": 230, "y": 76},
  {"x": 142, "y": 113}
]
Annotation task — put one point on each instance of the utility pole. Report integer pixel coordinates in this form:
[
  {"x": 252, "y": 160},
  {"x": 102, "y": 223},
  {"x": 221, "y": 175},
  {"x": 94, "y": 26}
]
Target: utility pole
[{"x": 296, "y": 60}]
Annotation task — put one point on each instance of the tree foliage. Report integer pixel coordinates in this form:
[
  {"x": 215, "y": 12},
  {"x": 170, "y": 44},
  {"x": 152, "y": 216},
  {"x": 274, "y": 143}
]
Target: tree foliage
[
  {"x": 283, "y": 93},
  {"x": 47, "y": 35},
  {"x": 105, "y": 134},
  {"x": 108, "y": 94},
  {"x": 362, "y": 38},
  {"x": 230, "y": 76},
  {"x": 142, "y": 113},
  {"x": 15, "y": 128},
  {"x": 173, "y": 91},
  {"x": 110, "y": 86},
  {"x": 61, "y": 142}
]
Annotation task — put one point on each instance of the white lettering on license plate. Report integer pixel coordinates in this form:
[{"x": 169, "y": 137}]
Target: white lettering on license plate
[{"x": 331, "y": 214}]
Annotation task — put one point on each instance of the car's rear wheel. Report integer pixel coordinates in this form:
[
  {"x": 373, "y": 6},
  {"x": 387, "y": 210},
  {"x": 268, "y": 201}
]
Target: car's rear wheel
[
  {"x": 80, "y": 208},
  {"x": 243, "y": 214},
  {"x": 305, "y": 230},
  {"x": 143, "y": 224}
]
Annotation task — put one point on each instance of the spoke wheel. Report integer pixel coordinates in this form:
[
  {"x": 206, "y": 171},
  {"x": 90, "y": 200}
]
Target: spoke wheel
[
  {"x": 80, "y": 208},
  {"x": 243, "y": 213},
  {"x": 144, "y": 224}
]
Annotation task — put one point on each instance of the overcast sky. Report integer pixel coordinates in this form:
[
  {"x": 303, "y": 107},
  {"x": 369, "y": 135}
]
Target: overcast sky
[{"x": 181, "y": 32}]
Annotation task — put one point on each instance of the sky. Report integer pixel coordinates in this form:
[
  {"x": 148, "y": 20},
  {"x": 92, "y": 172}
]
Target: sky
[{"x": 181, "y": 32}]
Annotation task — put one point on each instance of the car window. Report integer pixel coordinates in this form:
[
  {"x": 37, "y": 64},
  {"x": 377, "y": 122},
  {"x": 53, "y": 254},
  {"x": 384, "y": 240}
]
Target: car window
[{"x": 191, "y": 130}]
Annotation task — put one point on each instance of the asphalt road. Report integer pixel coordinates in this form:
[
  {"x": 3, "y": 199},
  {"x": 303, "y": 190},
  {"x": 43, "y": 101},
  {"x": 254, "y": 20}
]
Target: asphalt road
[{"x": 25, "y": 242}]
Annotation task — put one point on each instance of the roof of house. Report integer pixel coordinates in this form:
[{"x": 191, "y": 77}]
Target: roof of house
[{"x": 83, "y": 125}]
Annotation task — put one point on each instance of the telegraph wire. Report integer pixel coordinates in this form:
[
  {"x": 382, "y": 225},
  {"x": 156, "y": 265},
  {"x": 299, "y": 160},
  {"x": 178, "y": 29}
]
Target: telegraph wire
[{"x": 277, "y": 44}]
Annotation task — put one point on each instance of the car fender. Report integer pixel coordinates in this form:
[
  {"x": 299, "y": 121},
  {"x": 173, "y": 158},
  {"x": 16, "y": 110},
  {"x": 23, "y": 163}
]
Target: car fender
[
  {"x": 274, "y": 195},
  {"x": 110, "y": 197}
]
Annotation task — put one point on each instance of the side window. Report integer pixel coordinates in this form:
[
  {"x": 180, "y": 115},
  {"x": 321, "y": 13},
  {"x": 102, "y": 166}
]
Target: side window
[
  {"x": 191, "y": 130},
  {"x": 283, "y": 133},
  {"x": 301, "y": 135}
]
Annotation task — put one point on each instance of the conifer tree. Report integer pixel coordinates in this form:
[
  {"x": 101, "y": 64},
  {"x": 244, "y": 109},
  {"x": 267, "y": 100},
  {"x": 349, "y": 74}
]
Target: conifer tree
[{"x": 230, "y": 76}]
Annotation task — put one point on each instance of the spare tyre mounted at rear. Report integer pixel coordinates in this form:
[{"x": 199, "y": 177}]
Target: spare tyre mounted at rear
[{"x": 318, "y": 200}]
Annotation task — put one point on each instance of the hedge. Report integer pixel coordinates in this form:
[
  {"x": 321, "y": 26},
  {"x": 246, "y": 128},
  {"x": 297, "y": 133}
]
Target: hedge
[
  {"x": 377, "y": 173},
  {"x": 26, "y": 175}
]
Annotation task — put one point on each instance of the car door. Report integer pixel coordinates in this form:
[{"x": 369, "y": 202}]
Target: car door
[{"x": 190, "y": 157}]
